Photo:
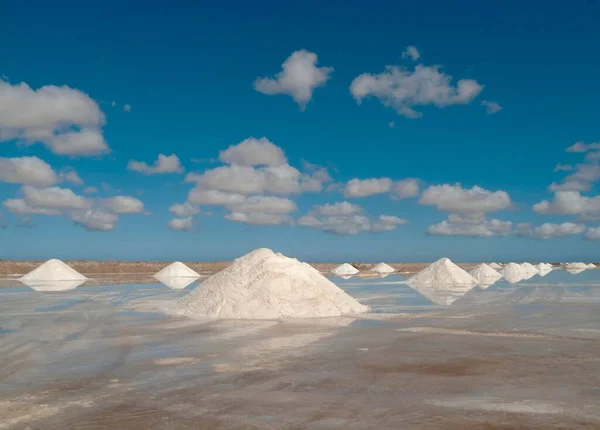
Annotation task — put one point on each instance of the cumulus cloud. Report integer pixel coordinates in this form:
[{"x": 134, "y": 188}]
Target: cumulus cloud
[
  {"x": 491, "y": 107},
  {"x": 345, "y": 219},
  {"x": 65, "y": 120},
  {"x": 123, "y": 205},
  {"x": 548, "y": 230},
  {"x": 54, "y": 198},
  {"x": 164, "y": 164},
  {"x": 258, "y": 218},
  {"x": 298, "y": 78},
  {"x": 356, "y": 188},
  {"x": 90, "y": 190},
  {"x": 254, "y": 152},
  {"x": 403, "y": 89},
  {"x": 184, "y": 210},
  {"x": 569, "y": 203},
  {"x": 570, "y": 186},
  {"x": 412, "y": 52},
  {"x": 72, "y": 177},
  {"x": 583, "y": 147},
  {"x": 264, "y": 204},
  {"x": 592, "y": 233},
  {"x": 27, "y": 171},
  {"x": 563, "y": 167},
  {"x": 405, "y": 188},
  {"x": 456, "y": 199},
  {"x": 181, "y": 224},
  {"x": 201, "y": 196},
  {"x": 340, "y": 208},
  {"x": 387, "y": 223},
  {"x": 473, "y": 227},
  {"x": 95, "y": 219},
  {"x": 21, "y": 207}
]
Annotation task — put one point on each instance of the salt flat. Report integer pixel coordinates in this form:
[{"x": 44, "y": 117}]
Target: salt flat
[{"x": 107, "y": 356}]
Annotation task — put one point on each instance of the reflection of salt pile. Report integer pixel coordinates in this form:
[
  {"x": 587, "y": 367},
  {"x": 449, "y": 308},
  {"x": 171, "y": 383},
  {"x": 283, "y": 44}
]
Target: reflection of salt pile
[
  {"x": 39, "y": 285},
  {"x": 485, "y": 275},
  {"x": 495, "y": 266},
  {"x": 266, "y": 285},
  {"x": 574, "y": 271},
  {"x": 345, "y": 269},
  {"x": 176, "y": 276},
  {"x": 443, "y": 271},
  {"x": 382, "y": 268},
  {"x": 442, "y": 294},
  {"x": 544, "y": 268},
  {"x": 53, "y": 270},
  {"x": 576, "y": 266}
]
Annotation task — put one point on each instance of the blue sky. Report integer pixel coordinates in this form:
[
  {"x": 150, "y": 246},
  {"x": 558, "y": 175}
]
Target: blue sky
[{"x": 189, "y": 74}]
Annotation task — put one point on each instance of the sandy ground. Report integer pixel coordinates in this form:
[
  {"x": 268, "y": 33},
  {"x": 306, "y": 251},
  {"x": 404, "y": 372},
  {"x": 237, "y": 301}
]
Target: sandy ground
[{"x": 508, "y": 357}]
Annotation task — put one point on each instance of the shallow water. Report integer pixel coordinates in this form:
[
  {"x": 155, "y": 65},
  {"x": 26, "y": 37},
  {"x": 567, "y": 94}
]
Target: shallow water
[{"x": 499, "y": 356}]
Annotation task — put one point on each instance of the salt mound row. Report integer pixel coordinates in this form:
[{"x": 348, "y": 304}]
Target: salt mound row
[
  {"x": 345, "y": 269},
  {"x": 267, "y": 285},
  {"x": 576, "y": 266},
  {"x": 177, "y": 269},
  {"x": 495, "y": 266},
  {"x": 382, "y": 268},
  {"x": 53, "y": 270},
  {"x": 485, "y": 274},
  {"x": 442, "y": 271}
]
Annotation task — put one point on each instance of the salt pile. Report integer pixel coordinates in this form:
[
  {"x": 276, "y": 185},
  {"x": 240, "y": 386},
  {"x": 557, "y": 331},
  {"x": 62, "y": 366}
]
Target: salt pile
[
  {"x": 544, "y": 268},
  {"x": 529, "y": 268},
  {"x": 485, "y": 274},
  {"x": 382, "y": 268},
  {"x": 514, "y": 273},
  {"x": 442, "y": 271},
  {"x": 345, "y": 269},
  {"x": 576, "y": 266},
  {"x": 53, "y": 270},
  {"x": 177, "y": 269},
  {"x": 267, "y": 285},
  {"x": 495, "y": 266},
  {"x": 591, "y": 266}
]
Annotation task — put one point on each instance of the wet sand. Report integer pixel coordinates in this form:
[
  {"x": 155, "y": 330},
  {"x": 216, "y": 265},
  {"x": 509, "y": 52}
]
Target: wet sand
[{"x": 508, "y": 357}]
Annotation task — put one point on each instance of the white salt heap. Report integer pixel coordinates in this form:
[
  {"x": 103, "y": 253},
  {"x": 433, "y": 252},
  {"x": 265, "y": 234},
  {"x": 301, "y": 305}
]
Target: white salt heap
[
  {"x": 495, "y": 266},
  {"x": 345, "y": 269},
  {"x": 514, "y": 272},
  {"x": 177, "y": 269},
  {"x": 382, "y": 268},
  {"x": 576, "y": 266},
  {"x": 544, "y": 268},
  {"x": 53, "y": 270},
  {"x": 529, "y": 268},
  {"x": 591, "y": 266},
  {"x": 485, "y": 274},
  {"x": 442, "y": 271},
  {"x": 267, "y": 285}
]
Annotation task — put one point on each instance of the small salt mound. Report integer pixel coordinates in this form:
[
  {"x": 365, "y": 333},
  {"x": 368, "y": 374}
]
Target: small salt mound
[
  {"x": 177, "y": 269},
  {"x": 495, "y": 266},
  {"x": 382, "y": 268},
  {"x": 576, "y": 266},
  {"x": 485, "y": 274},
  {"x": 443, "y": 271},
  {"x": 53, "y": 270},
  {"x": 529, "y": 268},
  {"x": 265, "y": 285},
  {"x": 345, "y": 269},
  {"x": 514, "y": 273},
  {"x": 591, "y": 266}
]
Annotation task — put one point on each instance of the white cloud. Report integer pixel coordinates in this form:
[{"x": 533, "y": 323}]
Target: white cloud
[
  {"x": 27, "y": 171},
  {"x": 563, "y": 167},
  {"x": 491, "y": 107},
  {"x": 387, "y": 223},
  {"x": 264, "y": 205},
  {"x": 95, "y": 219},
  {"x": 90, "y": 190},
  {"x": 569, "y": 203},
  {"x": 54, "y": 198},
  {"x": 570, "y": 186},
  {"x": 593, "y": 156},
  {"x": 298, "y": 78},
  {"x": 348, "y": 223},
  {"x": 181, "y": 224},
  {"x": 127, "y": 108},
  {"x": 454, "y": 198},
  {"x": 367, "y": 187},
  {"x": 184, "y": 210},
  {"x": 72, "y": 177},
  {"x": 317, "y": 172},
  {"x": 412, "y": 52},
  {"x": 588, "y": 172},
  {"x": 257, "y": 218},
  {"x": 341, "y": 208},
  {"x": 402, "y": 89},
  {"x": 583, "y": 147},
  {"x": 123, "y": 205},
  {"x": 201, "y": 196},
  {"x": 592, "y": 233},
  {"x": 254, "y": 152},
  {"x": 460, "y": 226},
  {"x": 20, "y": 206},
  {"x": 405, "y": 188},
  {"x": 64, "y": 119},
  {"x": 548, "y": 230},
  {"x": 309, "y": 221},
  {"x": 164, "y": 164}
]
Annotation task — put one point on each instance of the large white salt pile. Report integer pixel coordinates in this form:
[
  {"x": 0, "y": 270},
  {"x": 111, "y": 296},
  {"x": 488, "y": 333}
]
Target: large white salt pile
[
  {"x": 53, "y": 270},
  {"x": 442, "y": 271},
  {"x": 382, "y": 268},
  {"x": 578, "y": 265},
  {"x": 177, "y": 269},
  {"x": 345, "y": 269},
  {"x": 267, "y": 285},
  {"x": 485, "y": 274},
  {"x": 495, "y": 266},
  {"x": 514, "y": 273}
]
